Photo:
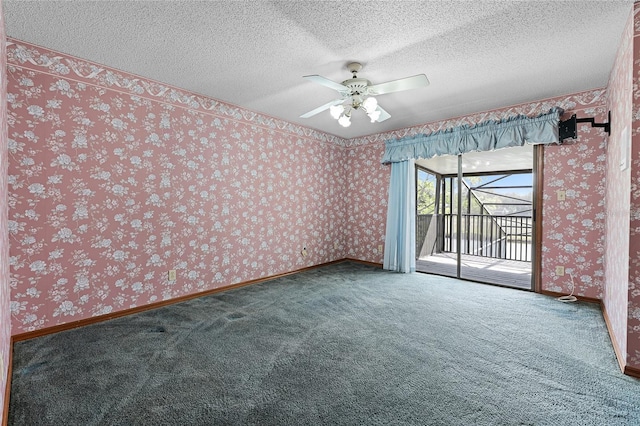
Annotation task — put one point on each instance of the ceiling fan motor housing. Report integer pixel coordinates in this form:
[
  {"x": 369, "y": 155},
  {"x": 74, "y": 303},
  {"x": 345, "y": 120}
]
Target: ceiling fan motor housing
[{"x": 357, "y": 86}]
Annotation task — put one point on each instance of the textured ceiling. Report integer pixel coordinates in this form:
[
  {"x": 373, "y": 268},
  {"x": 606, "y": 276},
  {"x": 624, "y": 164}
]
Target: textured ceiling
[{"x": 478, "y": 55}]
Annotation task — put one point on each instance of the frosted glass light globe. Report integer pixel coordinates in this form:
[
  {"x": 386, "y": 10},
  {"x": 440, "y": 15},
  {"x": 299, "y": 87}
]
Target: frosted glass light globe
[
  {"x": 374, "y": 116},
  {"x": 344, "y": 121},
  {"x": 336, "y": 111},
  {"x": 370, "y": 104}
]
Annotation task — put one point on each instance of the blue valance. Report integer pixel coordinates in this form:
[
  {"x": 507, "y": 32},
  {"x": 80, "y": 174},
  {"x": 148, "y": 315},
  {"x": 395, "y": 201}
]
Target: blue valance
[{"x": 486, "y": 136}]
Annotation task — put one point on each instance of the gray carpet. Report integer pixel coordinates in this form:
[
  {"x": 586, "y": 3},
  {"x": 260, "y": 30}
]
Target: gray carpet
[{"x": 342, "y": 344}]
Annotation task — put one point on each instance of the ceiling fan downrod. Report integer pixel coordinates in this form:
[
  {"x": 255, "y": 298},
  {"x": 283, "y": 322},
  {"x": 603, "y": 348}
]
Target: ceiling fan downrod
[{"x": 355, "y": 68}]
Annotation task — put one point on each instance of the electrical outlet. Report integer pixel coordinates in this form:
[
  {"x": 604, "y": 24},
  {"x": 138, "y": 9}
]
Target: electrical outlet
[
  {"x": 562, "y": 194},
  {"x": 380, "y": 248},
  {"x": 172, "y": 275},
  {"x": 303, "y": 252},
  {"x": 559, "y": 271}
]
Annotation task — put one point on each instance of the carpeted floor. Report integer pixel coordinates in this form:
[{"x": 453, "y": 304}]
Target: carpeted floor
[{"x": 342, "y": 344}]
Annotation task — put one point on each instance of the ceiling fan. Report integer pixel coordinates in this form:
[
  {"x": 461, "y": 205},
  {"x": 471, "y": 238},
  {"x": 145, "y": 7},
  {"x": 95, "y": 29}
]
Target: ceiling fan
[{"x": 359, "y": 93}]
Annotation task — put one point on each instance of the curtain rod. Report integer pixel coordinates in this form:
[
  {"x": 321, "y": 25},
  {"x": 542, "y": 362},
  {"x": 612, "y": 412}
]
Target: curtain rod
[{"x": 568, "y": 129}]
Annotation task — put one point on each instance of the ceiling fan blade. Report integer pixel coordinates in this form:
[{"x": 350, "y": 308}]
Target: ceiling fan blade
[
  {"x": 322, "y": 108},
  {"x": 328, "y": 83},
  {"x": 383, "y": 114},
  {"x": 414, "y": 82}
]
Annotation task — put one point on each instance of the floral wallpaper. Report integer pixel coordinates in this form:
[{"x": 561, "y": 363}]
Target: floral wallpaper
[
  {"x": 5, "y": 319},
  {"x": 573, "y": 230},
  {"x": 112, "y": 184},
  {"x": 618, "y": 184},
  {"x": 633, "y": 327},
  {"x": 368, "y": 194}
]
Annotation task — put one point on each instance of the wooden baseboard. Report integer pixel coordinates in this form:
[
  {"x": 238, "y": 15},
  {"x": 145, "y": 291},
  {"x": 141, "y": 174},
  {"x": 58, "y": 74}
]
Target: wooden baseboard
[
  {"x": 580, "y": 298},
  {"x": 364, "y": 262},
  {"x": 7, "y": 391},
  {"x": 93, "y": 320},
  {"x": 632, "y": 371},
  {"x": 614, "y": 342}
]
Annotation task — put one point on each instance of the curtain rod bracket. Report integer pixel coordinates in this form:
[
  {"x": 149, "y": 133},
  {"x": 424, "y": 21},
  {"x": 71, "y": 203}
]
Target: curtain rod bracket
[{"x": 568, "y": 129}]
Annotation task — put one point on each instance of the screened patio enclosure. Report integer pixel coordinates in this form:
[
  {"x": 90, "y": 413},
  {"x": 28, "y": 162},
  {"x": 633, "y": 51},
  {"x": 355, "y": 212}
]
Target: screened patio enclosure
[{"x": 474, "y": 216}]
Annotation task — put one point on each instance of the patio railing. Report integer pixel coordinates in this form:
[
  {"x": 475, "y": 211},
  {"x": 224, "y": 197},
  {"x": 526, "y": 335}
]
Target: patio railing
[
  {"x": 497, "y": 236},
  {"x": 501, "y": 237}
]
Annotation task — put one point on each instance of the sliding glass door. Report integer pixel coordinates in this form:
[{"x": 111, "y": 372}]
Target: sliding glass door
[{"x": 474, "y": 217}]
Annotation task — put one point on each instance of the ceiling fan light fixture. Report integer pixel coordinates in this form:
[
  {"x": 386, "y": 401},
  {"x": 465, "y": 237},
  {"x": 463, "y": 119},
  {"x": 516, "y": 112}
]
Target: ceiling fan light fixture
[
  {"x": 370, "y": 104},
  {"x": 336, "y": 111},
  {"x": 374, "y": 115},
  {"x": 344, "y": 121}
]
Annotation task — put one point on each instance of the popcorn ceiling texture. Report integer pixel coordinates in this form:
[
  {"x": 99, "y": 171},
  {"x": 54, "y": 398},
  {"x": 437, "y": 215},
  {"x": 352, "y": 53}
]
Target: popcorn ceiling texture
[{"x": 478, "y": 55}]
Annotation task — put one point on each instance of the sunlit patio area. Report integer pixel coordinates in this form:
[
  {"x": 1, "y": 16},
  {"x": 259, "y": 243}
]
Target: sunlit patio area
[{"x": 510, "y": 273}]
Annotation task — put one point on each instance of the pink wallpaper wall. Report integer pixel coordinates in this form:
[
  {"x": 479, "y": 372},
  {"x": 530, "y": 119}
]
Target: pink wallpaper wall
[
  {"x": 618, "y": 184},
  {"x": 633, "y": 327},
  {"x": 114, "y": 180},
  {"x": 368, "y": 194},
  {"x": 5, "y": 319},
  {"x": 573, "y": 229}
]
